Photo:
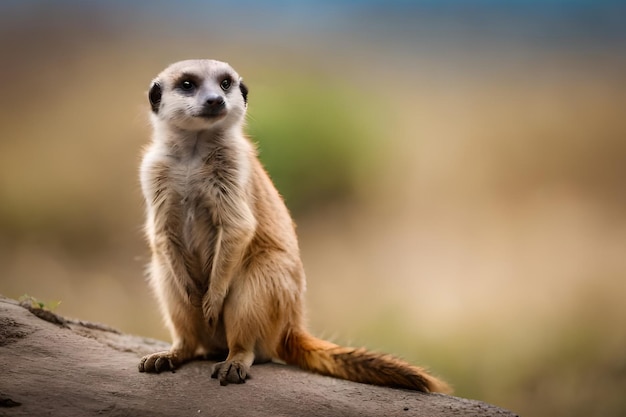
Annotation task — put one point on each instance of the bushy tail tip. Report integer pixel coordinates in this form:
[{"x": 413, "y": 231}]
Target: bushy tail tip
[{"x": 359, "y": 365}]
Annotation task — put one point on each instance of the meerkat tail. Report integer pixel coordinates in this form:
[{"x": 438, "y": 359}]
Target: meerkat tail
[{"x": 356, "y": 364}]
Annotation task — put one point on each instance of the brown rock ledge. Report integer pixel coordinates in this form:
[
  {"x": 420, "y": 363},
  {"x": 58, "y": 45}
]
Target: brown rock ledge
[{"x": 52, "y": 366}]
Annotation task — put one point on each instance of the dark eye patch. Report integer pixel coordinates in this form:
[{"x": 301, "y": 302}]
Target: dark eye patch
[
  {"x": 187, "y": 83},
  {"x": 225, "y": 80}
]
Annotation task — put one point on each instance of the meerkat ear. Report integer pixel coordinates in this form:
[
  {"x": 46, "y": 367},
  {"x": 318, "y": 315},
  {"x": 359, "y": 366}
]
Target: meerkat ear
[
  {"x": 154, "y": 95},
  {"x": 244, "y": 91}
]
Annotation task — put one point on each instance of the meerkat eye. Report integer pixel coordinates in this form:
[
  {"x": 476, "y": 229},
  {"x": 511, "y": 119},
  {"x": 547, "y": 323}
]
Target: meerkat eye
[
  {"x": 187, "y": 85},
  {"x": 225, "y": 84}
]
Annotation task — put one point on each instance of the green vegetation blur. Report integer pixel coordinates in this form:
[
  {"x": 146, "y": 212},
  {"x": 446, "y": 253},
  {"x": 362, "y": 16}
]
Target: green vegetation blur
[{"x": 456, "y": 174}]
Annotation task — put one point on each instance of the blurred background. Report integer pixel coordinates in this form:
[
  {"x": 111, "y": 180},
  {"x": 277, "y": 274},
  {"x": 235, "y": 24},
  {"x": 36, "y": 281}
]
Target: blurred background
[{"x": 457, "y": 171}]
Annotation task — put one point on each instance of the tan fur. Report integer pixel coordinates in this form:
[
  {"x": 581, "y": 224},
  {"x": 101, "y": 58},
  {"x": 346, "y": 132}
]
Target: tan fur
[{"x": 225, "y": 260}]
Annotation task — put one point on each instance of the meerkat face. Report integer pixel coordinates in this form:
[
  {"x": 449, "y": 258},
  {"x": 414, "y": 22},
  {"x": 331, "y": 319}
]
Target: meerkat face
[{"x": 197, "y": 95}]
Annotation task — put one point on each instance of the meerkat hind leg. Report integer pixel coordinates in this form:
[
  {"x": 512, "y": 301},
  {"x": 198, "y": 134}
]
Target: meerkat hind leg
[
  {"x": 252, "y": 321},
  {"x": 242, "y": 321},
  {"x": 235, "y": 369},
  {"x": 185, "y": 322}
]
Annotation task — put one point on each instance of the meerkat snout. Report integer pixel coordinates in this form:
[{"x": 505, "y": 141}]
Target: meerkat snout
[{"x": 214, "y": 105}]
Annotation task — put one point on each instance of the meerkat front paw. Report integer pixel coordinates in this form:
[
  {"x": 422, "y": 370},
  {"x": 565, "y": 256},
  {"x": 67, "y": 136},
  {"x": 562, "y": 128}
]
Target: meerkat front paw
[
  {"x": 212, "y": 307},
  {"x": 159, "y": 362},
  {"x": 211, "y": 315},
  {"x": 233, "y": 372}
]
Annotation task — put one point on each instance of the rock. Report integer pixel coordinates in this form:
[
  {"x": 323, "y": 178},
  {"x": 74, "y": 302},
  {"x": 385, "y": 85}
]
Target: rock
[{"x": 54, "y": 366}]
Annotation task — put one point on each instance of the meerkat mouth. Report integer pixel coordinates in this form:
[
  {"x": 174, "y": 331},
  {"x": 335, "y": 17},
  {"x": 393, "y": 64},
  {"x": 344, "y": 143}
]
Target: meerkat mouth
[{"x": 212, "y": 114}]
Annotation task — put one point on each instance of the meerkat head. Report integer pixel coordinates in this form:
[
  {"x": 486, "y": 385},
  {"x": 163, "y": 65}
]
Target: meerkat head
[{"x": 198, "y": 95}]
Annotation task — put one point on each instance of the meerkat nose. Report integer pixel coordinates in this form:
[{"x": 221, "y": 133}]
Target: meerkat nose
[{"x": 214, "y": 102}]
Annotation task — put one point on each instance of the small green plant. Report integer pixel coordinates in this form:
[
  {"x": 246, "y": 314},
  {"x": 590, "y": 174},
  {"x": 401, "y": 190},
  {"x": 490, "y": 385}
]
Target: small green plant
[{"x": 35, "y": 303}]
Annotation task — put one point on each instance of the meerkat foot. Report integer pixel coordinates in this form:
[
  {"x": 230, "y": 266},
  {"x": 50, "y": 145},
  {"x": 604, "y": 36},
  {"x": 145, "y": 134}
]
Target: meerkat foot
[
  {"x": 159, "y": 362},
  {"x": 230, "y": 372}
]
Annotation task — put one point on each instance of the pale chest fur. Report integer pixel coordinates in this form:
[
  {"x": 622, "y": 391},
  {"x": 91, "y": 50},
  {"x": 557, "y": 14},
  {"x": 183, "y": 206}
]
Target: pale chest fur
[{"x": 189, "y": 193}]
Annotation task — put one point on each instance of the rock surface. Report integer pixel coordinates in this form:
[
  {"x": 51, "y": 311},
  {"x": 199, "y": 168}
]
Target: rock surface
[{"x": 51, "y": 366}]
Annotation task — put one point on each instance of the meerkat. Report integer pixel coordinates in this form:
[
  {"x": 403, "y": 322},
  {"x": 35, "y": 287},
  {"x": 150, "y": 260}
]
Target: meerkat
[{"x": 225, "y": 265}]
